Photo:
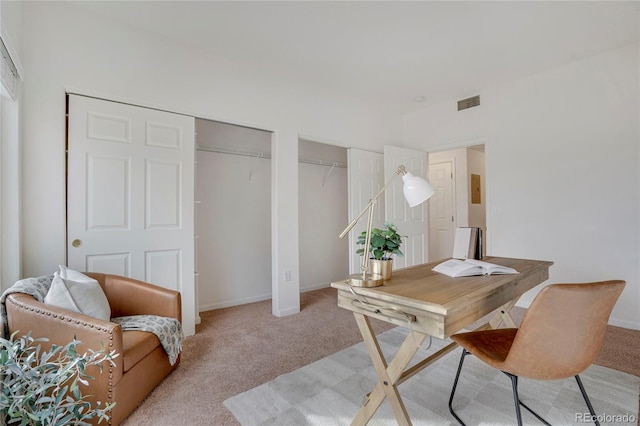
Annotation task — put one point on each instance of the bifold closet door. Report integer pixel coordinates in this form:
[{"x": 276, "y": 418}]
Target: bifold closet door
[
  {"x": 412, "y": 222},
  {"x": 130, "y": 185},
  {"x": 366, "y": 178}
]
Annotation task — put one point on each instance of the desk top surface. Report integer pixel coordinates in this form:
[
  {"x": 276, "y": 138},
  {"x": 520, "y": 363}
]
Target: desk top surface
[{"x": 421, "y": 288}]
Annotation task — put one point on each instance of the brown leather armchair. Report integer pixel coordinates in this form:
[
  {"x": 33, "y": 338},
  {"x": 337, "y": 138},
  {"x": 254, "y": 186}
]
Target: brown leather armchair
[{"x": 141, "y": 363}]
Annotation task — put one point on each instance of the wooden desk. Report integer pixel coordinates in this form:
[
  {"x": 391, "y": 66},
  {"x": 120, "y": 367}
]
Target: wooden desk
[{"x": 429, "y": 303}]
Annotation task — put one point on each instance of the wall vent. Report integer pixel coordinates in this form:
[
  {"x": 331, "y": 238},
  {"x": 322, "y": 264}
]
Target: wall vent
[{"x": 469, "y": 102}]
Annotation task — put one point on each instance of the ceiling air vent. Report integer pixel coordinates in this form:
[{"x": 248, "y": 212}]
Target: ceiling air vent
[{"x": 469, "y": 102}]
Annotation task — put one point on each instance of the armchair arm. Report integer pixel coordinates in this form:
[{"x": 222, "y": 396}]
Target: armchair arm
[
  {"x": 60, "y": 326},
  {"x": 128, "y": 296}
]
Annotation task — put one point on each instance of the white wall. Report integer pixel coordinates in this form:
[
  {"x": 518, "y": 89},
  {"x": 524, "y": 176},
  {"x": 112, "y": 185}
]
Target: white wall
[
  {"x": 10, "y": 192},
  {"x": 11, "y": 18},
  {"x": 10, "y": 153},
  {"x": 233, "y": 215},
  {"x": 324, "y": 258},
  {"x": 233, "y": 228},
  {"x": 563, "y": 180},
  {"x": 67, "y": 48},
  {"x": 323, "y": 214}
]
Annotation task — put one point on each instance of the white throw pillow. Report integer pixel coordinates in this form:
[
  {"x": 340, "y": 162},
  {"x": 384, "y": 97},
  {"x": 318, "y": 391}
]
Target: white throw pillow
[{"x": 77, "y": 292}]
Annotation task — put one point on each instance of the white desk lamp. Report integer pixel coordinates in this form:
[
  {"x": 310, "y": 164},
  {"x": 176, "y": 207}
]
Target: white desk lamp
[{"x": 416, "y": 191}]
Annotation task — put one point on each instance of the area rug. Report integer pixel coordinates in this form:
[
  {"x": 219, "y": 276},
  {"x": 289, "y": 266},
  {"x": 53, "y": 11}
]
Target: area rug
[{"x": 330, "y": 391}]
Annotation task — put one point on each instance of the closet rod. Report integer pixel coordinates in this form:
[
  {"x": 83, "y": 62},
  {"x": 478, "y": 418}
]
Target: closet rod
[
  {"x": 268, "y": 156},
  {"x": 322, "y": 163},
  {"x": 234, "y": 152}
]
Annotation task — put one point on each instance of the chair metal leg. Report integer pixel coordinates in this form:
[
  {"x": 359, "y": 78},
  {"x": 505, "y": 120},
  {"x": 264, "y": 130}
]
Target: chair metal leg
[
  {"x": 514, "y": 384},
  {"x": 586, "y": 399},
  {"x": 455, "y": 384},
  {"x": 516, "y": 399}
]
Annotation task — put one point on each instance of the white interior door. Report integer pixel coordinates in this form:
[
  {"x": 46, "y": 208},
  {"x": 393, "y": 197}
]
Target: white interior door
[
  {"x": 130, "y": 195},
  {"x": 441, "y": 211},
  {"x": 365, "y": 179},
  {"x": 411, "y": 221}
]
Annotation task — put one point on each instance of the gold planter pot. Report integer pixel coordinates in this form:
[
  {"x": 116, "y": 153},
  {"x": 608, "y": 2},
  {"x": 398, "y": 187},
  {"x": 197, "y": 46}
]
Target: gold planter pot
[{"x": 382, "y": 268}]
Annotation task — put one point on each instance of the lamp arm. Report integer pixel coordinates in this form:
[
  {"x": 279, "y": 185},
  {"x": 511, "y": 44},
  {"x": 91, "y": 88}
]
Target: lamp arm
[
  {"x": 365, "y": 258},
  {"x": 354, "y": 221},
  {"x": 400, "y": 171}
]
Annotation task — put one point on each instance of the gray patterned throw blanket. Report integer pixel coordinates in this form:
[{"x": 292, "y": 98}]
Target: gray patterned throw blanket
[
  {"x": 36, "y": 287},
  {"x": 168, "y": 330}
]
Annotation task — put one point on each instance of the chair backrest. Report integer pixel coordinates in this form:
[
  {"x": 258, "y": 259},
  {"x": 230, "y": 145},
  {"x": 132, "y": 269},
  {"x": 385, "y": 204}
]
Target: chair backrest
[{"x": 562, "y": 332}]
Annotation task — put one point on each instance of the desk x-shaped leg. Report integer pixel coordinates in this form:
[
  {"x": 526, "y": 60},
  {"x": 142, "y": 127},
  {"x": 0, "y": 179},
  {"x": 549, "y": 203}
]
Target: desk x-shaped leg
[
  {"x": 388, "y": 375},
  {"x": 391, "y": 375}
]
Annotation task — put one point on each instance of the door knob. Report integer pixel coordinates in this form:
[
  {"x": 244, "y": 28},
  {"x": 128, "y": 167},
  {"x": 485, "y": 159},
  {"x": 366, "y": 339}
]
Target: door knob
[{"x": 76, "y": 243}]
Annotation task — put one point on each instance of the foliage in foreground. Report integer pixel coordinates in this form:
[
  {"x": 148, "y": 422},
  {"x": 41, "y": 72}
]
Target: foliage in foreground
[{"x": 41, "y": 388}]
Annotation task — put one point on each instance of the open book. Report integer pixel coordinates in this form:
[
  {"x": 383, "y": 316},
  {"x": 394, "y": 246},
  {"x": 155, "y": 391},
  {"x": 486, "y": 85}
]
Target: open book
[{"x": 465, "y": 268}]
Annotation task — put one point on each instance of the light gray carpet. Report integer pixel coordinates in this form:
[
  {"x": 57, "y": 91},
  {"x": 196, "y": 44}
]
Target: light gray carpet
[{"x": 330, "y": 391}]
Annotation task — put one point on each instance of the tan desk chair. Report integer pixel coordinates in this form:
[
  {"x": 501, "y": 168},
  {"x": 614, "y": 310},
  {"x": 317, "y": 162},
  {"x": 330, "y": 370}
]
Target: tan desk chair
[{"x": 560, "y": 336}]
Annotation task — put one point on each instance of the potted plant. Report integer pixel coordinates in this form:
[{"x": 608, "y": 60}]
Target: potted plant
[
  {"x": 41, "y": 388},
  {"x": 384, "y": 243}
]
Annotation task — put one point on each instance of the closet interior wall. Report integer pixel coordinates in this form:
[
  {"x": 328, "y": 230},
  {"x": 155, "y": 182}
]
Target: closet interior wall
[
  {"x": 233, "y": 215},
  {"x": 322, "y": 214}
]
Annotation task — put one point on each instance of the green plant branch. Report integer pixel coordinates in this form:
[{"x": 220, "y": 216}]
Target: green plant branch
[{"x": 41, "y": 388}]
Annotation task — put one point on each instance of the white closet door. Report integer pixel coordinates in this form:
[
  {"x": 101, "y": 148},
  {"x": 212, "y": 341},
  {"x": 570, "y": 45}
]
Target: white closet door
[
  {"x": 130, "y": 195},
  {"x": 411, "y": 221},
  {"x": 366, "y": 178}
]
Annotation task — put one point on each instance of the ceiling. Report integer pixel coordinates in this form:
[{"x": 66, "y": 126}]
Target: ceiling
[{"x": 388, "y": 52}]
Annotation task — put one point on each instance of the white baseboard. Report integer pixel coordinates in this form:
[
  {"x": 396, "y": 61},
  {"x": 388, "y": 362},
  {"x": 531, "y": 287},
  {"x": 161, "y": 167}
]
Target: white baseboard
[
  {"x": 287, "y": 312},
  {"x": 304, "y": 289},
  {"x": 234, "y": 302},
  {"x": 259, "y": 298}
]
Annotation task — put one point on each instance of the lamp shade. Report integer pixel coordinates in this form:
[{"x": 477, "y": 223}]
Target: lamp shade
[{"x": 416, "y": 189}]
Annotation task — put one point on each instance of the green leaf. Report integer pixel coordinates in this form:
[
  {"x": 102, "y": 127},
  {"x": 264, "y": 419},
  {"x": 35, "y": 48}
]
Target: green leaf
[
  {"x": 377, "y": 241},
  {"x": 383, "y": 242},
  {"x": 35, "y": 383}
]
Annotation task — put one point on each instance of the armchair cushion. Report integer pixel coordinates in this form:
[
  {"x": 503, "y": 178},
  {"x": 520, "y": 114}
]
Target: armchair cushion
[
  {"x": 77, "y": 292},
  {"x": 136, "y": 345}
]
